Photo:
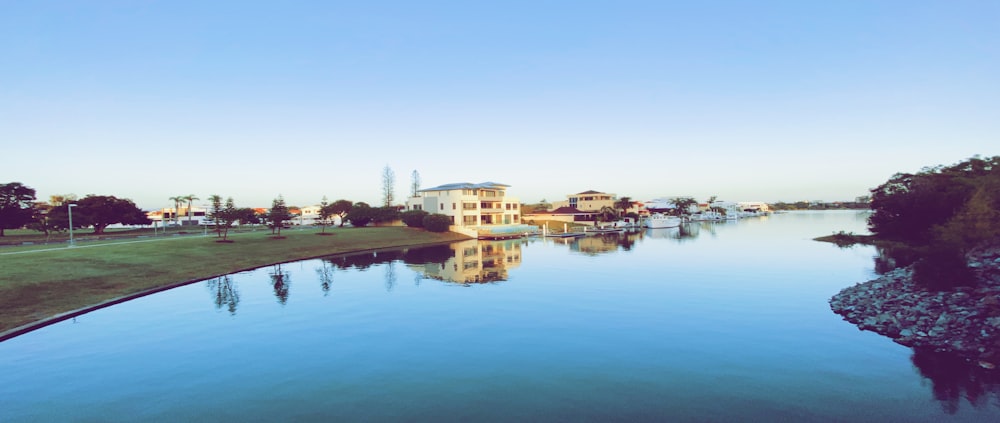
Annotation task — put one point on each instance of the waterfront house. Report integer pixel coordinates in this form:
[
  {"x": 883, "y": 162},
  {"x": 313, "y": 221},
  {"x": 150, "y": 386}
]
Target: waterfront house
[{"x": 482, "y": 210}]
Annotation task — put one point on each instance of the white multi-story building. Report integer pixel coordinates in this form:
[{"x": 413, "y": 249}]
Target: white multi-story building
[{"x": 483, "y": 210}]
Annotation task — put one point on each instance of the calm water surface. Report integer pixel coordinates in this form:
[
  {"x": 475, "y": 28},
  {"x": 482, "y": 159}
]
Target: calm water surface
[{"x": 716, "y": 322}]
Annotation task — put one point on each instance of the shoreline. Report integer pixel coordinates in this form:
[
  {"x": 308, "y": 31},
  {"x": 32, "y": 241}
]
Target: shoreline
[
  {"x": 964, "y": 320},
  {"x": 56, "y": 294}
]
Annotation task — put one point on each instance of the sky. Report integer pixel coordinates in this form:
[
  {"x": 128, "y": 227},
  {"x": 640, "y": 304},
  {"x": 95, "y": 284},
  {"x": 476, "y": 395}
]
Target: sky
[{"x": 743, "y": 100}]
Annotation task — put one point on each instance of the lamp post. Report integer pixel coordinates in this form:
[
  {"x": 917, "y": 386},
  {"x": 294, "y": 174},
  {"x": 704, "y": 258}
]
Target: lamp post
[{"x": 70, "y": 208}]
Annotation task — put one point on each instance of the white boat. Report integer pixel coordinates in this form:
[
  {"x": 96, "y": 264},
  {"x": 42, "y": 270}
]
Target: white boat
[{"x": 660, "y": 220}]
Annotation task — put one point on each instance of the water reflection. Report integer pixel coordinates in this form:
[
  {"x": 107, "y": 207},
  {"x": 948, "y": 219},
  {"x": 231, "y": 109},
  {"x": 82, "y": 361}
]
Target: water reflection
[
  {"x": 953, "y": 378},
  {"x": 605, "y": 243},
  {"x": 281, "y": 281},
  {"x": 224, "y": 292},
  {"x": 474, "y": 261},
  {"x": 325, "y": 275}
]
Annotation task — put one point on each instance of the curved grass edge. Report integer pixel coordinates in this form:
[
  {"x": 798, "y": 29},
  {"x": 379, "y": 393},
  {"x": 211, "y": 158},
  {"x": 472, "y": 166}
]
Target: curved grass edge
[{"x": 62, "y": 316}]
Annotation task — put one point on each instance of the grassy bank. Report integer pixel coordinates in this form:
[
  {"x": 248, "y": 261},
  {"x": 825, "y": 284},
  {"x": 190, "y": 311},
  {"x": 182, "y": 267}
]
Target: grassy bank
[{"x": 36, "y": 284}]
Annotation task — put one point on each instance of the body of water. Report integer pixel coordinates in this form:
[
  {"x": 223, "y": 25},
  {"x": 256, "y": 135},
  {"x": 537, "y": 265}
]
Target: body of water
[{"x": 710, "y": 322}]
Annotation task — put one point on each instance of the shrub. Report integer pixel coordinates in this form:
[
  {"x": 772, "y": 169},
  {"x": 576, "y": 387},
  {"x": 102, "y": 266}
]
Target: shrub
[
  {"x": 414, "y": 218},
  {"x": 437, "y": 222}
]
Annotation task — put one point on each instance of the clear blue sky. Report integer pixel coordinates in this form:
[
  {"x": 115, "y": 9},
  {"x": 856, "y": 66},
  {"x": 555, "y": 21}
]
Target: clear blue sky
[{"x": 747, "y": 100}]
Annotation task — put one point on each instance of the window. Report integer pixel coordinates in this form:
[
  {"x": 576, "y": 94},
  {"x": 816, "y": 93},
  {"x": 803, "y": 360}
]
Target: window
[
  {"x": 469, "y": 220},
  {"x": 442, "y": 206},
  {"x": 468, "y": 206},
  {"x": 453, "y": 206}
]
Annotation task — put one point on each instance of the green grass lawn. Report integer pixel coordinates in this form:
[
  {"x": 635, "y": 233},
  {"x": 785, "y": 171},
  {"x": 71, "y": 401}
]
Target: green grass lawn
[{"x": 38, "y": 282}]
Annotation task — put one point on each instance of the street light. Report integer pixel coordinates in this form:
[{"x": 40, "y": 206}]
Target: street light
[{"x": 70, "y": 208}]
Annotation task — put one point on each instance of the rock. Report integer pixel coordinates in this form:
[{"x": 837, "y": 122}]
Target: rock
[{"x": 962, "y": 320}]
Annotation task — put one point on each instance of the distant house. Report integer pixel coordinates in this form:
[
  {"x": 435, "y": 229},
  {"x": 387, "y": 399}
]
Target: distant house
[
  {"x": 482, "y": 210},
  {"x": 594, "y": 201},
  {"x": 587, "y": 201},
  {"x": 562, "y": 214},
  {"x": 180, "y": 216}
]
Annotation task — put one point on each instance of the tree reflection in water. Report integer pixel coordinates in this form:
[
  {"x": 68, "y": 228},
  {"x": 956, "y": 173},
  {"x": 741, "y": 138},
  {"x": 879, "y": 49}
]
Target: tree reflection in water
[
  {"x": 224, "y": 292},
  {"x": 325, "y": 274},
  {"x": 390, "y": 276},
  {"x": 281, "y": 281},
  {"x": 953, "y": 378}
]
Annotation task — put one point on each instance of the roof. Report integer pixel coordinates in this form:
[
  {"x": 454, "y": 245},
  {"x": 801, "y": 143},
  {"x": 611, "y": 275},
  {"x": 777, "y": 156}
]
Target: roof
[
  {"x": 466, "y": 185},
  {"x": 591, "y": 192}
]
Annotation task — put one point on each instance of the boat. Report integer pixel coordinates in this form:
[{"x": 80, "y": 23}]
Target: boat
[{"x": 661, "y": 220}]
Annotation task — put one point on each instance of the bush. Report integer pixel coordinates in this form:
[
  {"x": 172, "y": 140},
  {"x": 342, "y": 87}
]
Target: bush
[
  {"x": 942, "y": 269},
  {"x": 414, "y": 218},
  {"x": 437, "y": 222}
]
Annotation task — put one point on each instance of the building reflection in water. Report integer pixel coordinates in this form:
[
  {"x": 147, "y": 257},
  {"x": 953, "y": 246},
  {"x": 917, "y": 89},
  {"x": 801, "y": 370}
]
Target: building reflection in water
[{"x": 474, "y": 261}]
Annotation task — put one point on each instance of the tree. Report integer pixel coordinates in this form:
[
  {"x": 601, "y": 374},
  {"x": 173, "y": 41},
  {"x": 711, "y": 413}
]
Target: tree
[
  {"x": 624, "y": 203},
  {"x": 388, "y": 186},
  {"x": 385, "y": 214},
  {"x": 938, "y": 215},
  {"x": 360, "y": 215},
  {"x": 278, "y": 215},
  {"x": 177, "y": 206},
  {"x": 16, "y": 206},
  {"x": 100, "y": 211},
  {"x": 216, "y": 213},
  {"x": 226, "y": 217},
  {"x": 414, "y": 183},
  {"x": 341, "y": 208},
  {"x": 247, "y": 216},
  {"x": 325, "y": 213},
  {"x": 683, "y": 205},
  {"x": 190, "y": 200},
  {"x": 40, "y": 222},
  {"x": 606, "y": 214},
  {"x": 414, "y": 218},
  {"x": 437, "y": 222}
]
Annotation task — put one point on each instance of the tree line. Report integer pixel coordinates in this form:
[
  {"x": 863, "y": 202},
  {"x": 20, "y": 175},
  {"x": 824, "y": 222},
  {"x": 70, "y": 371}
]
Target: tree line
[
  {"x": 19, "y": 208},
  {"x": 938, "y": 215}
]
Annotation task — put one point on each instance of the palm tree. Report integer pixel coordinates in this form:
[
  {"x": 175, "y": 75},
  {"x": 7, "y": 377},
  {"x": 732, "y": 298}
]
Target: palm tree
[
  {"x": 606, "y": 214},
  {"x": 177, "y": 205},
  {"x": 624, "y": 203},
  {"x": 190, "y": 199},
  {"x": 683, "y": 205}
]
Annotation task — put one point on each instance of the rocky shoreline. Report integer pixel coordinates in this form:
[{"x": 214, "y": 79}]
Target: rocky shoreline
[{"x": 964, "y": 321}]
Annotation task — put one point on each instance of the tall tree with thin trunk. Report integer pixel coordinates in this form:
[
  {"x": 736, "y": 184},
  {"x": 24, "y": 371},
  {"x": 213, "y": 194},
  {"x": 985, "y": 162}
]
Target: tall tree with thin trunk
[
  {"x": 190, "y": 200},
  {"x": 388, "y": 186},
  {"x": 177, "y": 206},
  {"x": 414, "y": 183},
  {"x": 624, "y": 203},
  {"x": 278, "y": 215}
]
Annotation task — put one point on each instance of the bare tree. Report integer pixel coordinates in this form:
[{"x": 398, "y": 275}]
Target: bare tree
[
  {"x": 414, "y": 183},
  {"x": 388, "y": 186}
]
